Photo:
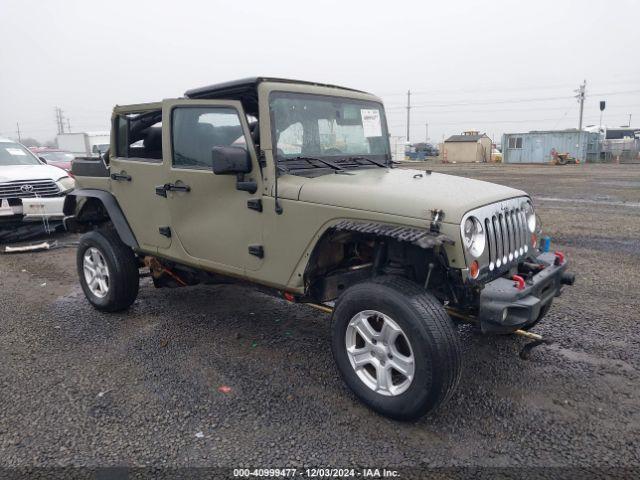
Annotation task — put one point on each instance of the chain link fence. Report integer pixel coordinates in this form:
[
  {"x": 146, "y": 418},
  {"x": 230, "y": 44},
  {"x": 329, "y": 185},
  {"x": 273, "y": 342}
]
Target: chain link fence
[{"x": 620, "y": 151}]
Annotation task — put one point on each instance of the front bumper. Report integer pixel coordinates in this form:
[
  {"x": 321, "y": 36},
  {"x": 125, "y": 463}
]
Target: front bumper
[
  {"x": 32, "y": 209},
  {"x": 505, "y": 308}
]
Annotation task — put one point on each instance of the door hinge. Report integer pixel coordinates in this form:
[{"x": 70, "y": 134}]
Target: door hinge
[
  {"x": 262, "y": 159},
  {"x": 256, "y": 250},
  {"x": 254, "y": 204},
  {"x": 166, "y": 231}
]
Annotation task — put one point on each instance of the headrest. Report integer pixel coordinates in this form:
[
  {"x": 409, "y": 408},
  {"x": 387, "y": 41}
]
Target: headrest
[{"x": 153, "y": 139}]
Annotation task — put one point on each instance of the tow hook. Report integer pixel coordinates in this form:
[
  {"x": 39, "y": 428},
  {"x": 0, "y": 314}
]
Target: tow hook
[
  {"x": 519, "y": 282},
  {"x": 525, "y": 353},
  {"x": 559, "y": 258}
]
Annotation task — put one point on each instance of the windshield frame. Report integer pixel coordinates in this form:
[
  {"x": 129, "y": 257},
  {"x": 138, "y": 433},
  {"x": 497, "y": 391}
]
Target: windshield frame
[{"x": 370, "y": 102}]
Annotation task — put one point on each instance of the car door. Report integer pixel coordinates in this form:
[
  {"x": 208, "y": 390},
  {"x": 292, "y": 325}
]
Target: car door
[
  {"x": 135, "y": 171},
  {"x": 213, "y": 220}
]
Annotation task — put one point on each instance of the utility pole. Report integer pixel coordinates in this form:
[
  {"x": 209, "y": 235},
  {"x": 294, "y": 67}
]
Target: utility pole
[
  {"x": 426, "y": 137},
  {"x": 581, "y": 96},
  {"x": 629, "y": 120},
  {"x": 19, "y": 138},
  {"x": 408, "y": 113},
  {"x": 59, "y": 119}
]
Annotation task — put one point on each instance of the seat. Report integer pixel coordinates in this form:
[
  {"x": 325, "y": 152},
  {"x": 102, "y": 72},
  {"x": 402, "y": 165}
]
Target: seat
[
  {"x": 153, "y": 143},
  {"x": 255, "y": 133}
]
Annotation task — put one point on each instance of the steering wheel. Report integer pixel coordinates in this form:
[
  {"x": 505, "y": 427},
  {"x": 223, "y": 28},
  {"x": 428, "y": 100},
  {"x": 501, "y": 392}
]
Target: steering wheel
[{"x": 332, "y": 151}]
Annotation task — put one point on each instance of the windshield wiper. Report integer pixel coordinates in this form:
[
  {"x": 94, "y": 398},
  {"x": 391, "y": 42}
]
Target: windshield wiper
[
  {"x": 375, "y": 162},
  {"x": 328, "y": 163}
]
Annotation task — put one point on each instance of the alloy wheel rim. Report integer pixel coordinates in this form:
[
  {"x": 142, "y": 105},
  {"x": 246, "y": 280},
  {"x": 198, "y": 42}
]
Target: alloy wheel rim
[
  {"x": 96, "y": 272},
  {"x": 380, "y": 353}
]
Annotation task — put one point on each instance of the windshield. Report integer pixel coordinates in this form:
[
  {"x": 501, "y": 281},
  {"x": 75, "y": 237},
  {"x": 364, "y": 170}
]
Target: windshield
[
  {"x": 332, "y": 128},
  {"x": 16, "y": 154},
  {"x": 57, "y": 156}
]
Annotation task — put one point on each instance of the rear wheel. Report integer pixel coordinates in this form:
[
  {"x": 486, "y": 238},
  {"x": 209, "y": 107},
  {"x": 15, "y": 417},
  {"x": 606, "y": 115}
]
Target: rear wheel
[
  {"x": 108, "y": 270},
  {"x": 395, "y": 347}
]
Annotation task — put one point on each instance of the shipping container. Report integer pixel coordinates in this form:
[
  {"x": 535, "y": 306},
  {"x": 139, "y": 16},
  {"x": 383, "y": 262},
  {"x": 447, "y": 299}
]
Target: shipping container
[{"x": 537, "y": 146}]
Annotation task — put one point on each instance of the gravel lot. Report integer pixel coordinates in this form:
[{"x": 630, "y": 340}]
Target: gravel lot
[{"x": 140, "y": 388}]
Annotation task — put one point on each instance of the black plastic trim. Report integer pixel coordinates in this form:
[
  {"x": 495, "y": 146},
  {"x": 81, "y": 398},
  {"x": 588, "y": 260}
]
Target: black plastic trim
[
  {"x": 255, "y": 204},
  {"x": 113, "y": 209}
]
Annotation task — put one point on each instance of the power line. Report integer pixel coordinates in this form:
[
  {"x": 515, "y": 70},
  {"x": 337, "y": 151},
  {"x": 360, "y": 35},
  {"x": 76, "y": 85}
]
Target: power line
[
  {"x": 499, "y": 102},
  {"x": 499, "y": 89},
  {"x": 493, "y": 102},
  {"x": 562, "y": 117}
]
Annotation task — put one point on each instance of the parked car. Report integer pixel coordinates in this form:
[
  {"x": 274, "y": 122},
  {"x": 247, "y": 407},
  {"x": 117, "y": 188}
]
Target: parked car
[
  {"x": 52, "y": 156},
  {"x": 424, "y": 150},
  {"x": 305, "y": 204},
  {"x": 496, "y": 155},
  {"x": 30, "y": 190}
]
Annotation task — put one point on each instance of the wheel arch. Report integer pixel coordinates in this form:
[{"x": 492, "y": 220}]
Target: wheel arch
[
  {"x": 93, "y": 206},
  {"x": 358, "y": 250}
]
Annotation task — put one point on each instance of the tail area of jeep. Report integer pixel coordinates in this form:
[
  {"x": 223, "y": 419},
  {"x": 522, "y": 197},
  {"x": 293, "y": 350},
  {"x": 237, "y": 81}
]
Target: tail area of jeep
[{"x": 289, "y": 186}]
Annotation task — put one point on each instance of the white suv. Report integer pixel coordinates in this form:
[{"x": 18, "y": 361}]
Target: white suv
[{"x": 30, "y": 190}]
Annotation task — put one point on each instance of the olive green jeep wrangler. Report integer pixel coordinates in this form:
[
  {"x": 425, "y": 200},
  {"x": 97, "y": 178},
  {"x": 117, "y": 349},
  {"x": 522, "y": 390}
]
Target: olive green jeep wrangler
[{"x": 289, "y": 186}]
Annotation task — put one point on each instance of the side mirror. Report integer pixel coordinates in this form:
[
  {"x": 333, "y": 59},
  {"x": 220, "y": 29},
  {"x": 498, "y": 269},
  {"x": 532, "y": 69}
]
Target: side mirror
[
  {"x": 230, "y": 160},
  {"x": 43, "y": 160}
]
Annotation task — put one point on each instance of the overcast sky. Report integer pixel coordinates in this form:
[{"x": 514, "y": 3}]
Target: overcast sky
[{"x": 493, "y": 66}]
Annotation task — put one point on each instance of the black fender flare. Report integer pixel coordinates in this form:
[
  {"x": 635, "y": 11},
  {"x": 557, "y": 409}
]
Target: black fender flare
[{"x": 111, "y": 206}]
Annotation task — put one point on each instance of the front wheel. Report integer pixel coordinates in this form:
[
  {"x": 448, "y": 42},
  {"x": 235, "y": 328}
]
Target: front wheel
[
  {"x": 108, "y": 270},
  {"x": 395, "y": 347}
]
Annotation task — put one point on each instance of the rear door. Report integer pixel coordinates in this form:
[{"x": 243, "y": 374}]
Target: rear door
[
  {"x": 135, "y": 171},
  {"x": 210, "y": 217}
]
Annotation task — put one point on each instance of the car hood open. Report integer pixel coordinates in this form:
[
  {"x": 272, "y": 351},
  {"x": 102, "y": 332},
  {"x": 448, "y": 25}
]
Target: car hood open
[
  {"x": 402, "y": 192},
  {"x": 13, "y": 173}
]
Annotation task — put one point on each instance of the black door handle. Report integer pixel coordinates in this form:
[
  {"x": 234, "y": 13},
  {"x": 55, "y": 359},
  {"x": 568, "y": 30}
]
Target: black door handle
[
  {"x": 178, "y": 188},
  {"x": 163, "y": 189},
  {"x": 120, "y": 177}
]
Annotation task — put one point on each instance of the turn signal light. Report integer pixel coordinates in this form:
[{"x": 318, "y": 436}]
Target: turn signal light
[{"x": 474, "y": 269}]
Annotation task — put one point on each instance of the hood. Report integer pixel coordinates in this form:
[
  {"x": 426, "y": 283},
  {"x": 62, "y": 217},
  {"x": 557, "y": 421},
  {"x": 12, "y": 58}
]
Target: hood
[
  {"x": 402, "y": 192},
  {"x": 12, "y": 173}
]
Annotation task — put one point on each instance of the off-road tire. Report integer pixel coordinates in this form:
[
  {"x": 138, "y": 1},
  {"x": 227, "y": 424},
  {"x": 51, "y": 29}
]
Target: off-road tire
[
  {"x": 432, "y": 335},
  {"x": 122, "y": 263}
]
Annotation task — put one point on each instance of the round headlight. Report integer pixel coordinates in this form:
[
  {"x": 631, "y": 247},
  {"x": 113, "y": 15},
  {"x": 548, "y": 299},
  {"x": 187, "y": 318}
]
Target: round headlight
[
  {"x": 66, "y": 183},
  {"x": 530, "y": 215},
  {"x": 473, "y": 236}
]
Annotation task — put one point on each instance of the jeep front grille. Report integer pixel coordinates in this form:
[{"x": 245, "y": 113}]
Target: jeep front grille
[
  {"x": 507, "y": 236},
  {"x": 29, "y": 189}
]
